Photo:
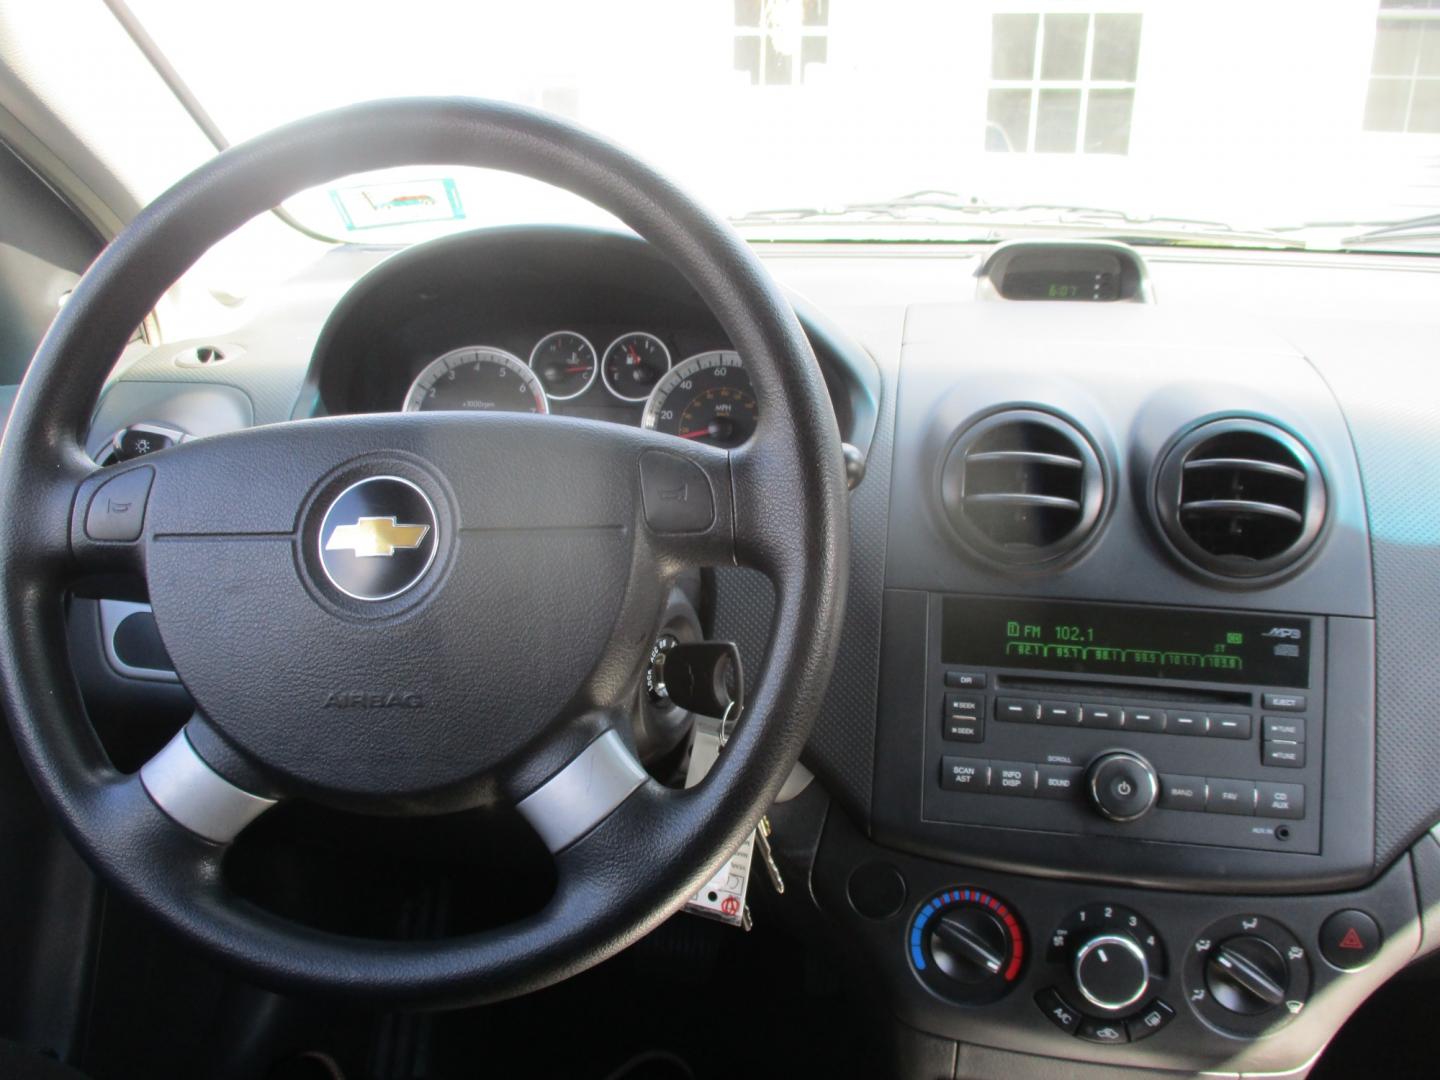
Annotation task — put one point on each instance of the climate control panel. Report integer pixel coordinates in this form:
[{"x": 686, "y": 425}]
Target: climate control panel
[{"x": 967, "y": 945}]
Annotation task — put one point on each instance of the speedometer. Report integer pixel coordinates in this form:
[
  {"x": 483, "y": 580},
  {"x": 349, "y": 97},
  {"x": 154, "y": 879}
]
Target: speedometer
[
  {"x": 477, "y": 378},
  {"x": 707, "y": 398}
]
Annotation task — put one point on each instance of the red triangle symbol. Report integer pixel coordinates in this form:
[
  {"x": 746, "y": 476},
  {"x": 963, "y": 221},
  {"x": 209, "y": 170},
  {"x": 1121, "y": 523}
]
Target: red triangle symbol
[{"x": 1351, "y": 940}]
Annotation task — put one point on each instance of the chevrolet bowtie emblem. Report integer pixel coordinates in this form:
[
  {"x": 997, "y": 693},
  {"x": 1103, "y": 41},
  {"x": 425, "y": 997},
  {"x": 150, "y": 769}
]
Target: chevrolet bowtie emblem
[{"x": 376, "y": 536}]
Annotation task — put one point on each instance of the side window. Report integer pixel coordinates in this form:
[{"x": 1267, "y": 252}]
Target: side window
[
  {"x": 781, "y": 42},
  {"x": 1405, "y": 68},
  {"x": 44, "y": 248},
  {"x": 1062, "y": 83}
]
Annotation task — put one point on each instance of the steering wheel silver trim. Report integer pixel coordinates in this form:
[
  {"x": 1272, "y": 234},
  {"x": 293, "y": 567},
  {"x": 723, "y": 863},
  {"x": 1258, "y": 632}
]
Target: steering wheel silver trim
[
  {"x": 583, "y": 793},
  {"x": 195, "y": 795}
]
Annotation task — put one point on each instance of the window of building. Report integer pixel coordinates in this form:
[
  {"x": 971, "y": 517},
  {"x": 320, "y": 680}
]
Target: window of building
[
  {"x": 1062, "y": 83},
  {"x": 777, "y": 42},
  {"x": 1405, "y": 68}
]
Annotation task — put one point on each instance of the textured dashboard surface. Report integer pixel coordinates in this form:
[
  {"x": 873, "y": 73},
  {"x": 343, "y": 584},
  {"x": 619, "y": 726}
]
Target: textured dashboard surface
[
  {"x": 842, "y": 744},
  {"x": 1392, "y": 403}
]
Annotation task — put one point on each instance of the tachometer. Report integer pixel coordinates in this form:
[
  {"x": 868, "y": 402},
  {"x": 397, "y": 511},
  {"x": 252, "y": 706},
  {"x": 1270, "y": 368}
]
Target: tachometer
[
  {"x": 477, "y": 377},
  {"x": 708, "y": 398},
  {"x": 566, "y": 363},
  {"x": 633, "y": 364}
]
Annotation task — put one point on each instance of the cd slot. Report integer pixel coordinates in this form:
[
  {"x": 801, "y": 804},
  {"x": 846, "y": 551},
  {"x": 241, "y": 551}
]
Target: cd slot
[{"x": 1044, "y": 685}]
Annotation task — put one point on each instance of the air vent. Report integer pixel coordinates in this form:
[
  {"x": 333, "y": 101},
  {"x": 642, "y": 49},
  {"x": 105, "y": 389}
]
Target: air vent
[
  {"x": 1022, "y": 487},
  {"x": 1240, "y": 498}
]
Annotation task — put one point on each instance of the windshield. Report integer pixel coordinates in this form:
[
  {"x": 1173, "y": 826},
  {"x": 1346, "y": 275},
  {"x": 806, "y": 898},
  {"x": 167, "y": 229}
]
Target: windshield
[{"x": 1286, "y": 123}]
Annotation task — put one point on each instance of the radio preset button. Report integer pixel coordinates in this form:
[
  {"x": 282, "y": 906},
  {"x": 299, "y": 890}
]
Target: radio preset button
[
  {"x": 1284, "y": 728},
  {"x": 1018, "y": 710},
  {"x": 1230, "y": 797},
  {"x": 1151, "y": 720},
  {"x": 1189, "y": 723},
  {"x": 1281, "y": 801},
  {"x": 964, "y": 774},
  {"x": 1229, "y": 725},
  {"x": 1059, "y": 713},
  {"x": 1182, "y": 793},
  {"x": 1107, "y": 717},
  {"x": 965, "y": 680},
  {"x": 1283, "y": 754},
  {"x": 1284, "y": 702}
]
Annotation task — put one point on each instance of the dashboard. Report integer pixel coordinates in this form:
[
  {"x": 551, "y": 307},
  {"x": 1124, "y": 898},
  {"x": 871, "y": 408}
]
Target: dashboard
[{"x": 1129, "y": 755}]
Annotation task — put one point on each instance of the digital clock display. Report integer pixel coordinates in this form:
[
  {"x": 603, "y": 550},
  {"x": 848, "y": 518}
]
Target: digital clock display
[
  {"x": 1111, "y": 639},
  {"x": 1094, "y": 285}
]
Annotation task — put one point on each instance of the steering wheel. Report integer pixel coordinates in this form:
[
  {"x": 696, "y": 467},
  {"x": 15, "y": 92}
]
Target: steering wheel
[{"x": 420, "y": 613}]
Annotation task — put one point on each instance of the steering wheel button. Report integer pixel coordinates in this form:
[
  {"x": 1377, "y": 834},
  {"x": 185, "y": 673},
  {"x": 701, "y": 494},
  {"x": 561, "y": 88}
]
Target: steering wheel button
[
  {"x": 117, "y": 510},
  {"x": 677, "y": 493}
]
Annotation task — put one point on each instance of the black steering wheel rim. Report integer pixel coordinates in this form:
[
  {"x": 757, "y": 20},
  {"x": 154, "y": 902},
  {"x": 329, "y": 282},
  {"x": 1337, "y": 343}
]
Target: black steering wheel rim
[{"x": 782, "y": 507}]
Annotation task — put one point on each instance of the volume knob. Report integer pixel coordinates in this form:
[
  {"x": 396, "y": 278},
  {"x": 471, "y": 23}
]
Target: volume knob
[{"x": 1122, "y": 786}]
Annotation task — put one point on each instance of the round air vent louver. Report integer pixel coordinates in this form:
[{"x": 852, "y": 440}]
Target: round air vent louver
[
  {"x": 1240, "y": 498},
  {"x": 1022, "y": 487}
]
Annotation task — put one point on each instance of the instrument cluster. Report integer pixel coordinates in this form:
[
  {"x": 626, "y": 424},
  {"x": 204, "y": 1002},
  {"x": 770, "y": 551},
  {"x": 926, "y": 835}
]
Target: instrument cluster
[{"x": 706, "y": 397}]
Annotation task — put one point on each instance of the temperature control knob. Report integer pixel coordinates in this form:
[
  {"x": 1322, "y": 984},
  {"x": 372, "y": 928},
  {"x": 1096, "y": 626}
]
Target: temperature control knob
[
  {"x": 1122, "y": 786},
  {"x": 969, "y": 944},
  {"x": 1111, "y": 971}
]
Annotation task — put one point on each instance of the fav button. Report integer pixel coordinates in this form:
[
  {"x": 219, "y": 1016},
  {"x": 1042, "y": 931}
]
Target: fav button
[
  {"x": 1350, "y": 939},
  {"x": 1230, "y": 797}
]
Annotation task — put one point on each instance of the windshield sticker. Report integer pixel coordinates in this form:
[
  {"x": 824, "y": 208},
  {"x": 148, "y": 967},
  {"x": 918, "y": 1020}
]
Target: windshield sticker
[{"x": 400, "y": 202}]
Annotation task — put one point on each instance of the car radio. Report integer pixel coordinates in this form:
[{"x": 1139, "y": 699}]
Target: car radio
[{"x": 1182, "y": 725}]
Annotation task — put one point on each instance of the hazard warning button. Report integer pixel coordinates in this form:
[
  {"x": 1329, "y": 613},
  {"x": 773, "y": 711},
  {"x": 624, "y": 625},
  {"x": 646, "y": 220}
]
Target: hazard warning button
[{"x": 1350, "y": 939}]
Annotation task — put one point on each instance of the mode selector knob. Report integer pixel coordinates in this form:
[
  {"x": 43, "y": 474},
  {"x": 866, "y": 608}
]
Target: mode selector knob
[
  {"x": 1111, "y": 971},
  {"x": 1122, "y": 786}
]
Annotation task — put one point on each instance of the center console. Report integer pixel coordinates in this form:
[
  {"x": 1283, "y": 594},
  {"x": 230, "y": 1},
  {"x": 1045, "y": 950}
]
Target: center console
[{"x": 1124, "y": 793}]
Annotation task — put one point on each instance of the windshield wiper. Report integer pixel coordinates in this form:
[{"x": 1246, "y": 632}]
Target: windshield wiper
[
  {"x": 951, "y": 208},
  {"x": 1423, "y": 227}
]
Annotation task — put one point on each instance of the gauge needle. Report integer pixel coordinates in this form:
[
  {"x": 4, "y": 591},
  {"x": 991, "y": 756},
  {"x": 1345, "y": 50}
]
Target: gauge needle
[
  {"x": 695, "y": 434},
  {"x": 576, "y": 369},
  {"x": 632, "y": 357}
]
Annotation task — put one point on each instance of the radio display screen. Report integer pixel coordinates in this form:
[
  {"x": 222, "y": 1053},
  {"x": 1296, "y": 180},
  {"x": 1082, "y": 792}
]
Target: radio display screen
[{"x": 1110, "y": 639}]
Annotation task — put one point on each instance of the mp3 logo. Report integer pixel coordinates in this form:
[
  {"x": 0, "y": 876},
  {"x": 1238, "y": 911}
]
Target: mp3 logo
[{"x": 1291, "y": 632}]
